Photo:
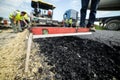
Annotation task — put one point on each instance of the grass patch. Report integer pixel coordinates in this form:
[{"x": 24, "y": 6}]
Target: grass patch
[{"x": 99, "y": 27}]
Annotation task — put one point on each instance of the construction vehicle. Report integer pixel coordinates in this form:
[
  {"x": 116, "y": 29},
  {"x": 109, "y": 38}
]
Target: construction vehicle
[
  {"x": 71, "y": 13},
  {"x": 110, "y": 22},
  {"x": 5, "y": 23},
  {"x": 49, "y": 31},
  {"x": 43, "y": 26},
  {"x": 42, "y": 13}
]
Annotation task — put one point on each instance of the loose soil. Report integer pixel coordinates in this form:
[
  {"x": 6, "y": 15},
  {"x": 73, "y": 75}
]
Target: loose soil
[{"x": 13, "y": 48}]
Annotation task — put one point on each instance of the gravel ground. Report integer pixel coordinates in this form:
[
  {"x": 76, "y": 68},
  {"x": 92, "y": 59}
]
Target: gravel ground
[{"x": 111, "y": 38}]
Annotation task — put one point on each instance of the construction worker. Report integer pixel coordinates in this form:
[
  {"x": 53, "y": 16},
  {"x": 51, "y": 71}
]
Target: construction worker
[
  {"x": 26, "y": 20},
  {"x": 66, "y": 22},
  {"x": 18, "y": 18},
  {"x": 70, "y": 22},
  {"x": 49, "y": 14},
  {"x": 92, "y": 16},
  {"x": 36, "y": 5},
  {"x": 12, "y": 20}
]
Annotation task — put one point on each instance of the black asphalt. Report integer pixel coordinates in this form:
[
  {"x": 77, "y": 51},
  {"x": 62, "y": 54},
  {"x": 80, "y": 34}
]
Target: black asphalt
[{"x": 74, "y": 58}]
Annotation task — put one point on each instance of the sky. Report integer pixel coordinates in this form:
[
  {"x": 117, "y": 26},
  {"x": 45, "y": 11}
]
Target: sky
[{"x": 7, "y": 6}]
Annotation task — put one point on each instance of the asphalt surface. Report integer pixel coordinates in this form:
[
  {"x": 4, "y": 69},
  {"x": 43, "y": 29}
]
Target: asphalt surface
[
  {"x": 74, "y": 58},
  {"x": 110, "y": 38}
]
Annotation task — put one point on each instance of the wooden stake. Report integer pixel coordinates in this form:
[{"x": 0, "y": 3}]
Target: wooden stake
[{"x": 28, "y": 52}]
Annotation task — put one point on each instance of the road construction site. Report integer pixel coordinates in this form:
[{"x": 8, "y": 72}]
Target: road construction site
[
  {"x": 93, "y": 57},
  {"x": 47, "y": 50}
]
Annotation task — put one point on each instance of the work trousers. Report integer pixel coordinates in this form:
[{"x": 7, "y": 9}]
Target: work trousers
[
  {"x": 13, "y": 25},
  {"x": 92, "y": 15},
  {"x": 18, "y": 25},
  {"x": 24, "y": 25}
]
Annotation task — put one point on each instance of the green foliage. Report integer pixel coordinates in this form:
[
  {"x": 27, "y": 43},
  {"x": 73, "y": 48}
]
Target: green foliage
[{"x": 99, "y": 27}]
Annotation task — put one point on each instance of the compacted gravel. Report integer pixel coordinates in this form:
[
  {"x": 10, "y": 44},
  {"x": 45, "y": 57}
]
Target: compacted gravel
[{"x": 80, "y": 59}]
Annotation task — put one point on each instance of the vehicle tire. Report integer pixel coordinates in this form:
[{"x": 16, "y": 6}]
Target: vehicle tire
[{"x": 113, "y": 25}]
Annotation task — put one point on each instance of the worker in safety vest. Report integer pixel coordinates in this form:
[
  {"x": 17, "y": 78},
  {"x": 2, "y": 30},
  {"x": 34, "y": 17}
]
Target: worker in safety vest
[
  {"x": 66, "y": 23},
  {"x": 12, "y": 20},
  {"x": 18, "y": 19},
  {"x": 70, "y": 22},
  {"x": 26, "y": 19}
]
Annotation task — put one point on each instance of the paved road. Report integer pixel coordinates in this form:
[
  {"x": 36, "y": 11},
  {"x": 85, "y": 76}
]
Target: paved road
[{"x": 111, "y": 38}]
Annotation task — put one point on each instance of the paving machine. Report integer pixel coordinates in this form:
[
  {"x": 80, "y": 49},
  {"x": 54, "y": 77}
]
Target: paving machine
[
  {"x": 42, "y": 13},
  {"x": 43, "y": 24}
]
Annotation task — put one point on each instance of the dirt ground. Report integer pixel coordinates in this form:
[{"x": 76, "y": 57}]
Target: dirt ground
[{"x": 13, "y": 48}]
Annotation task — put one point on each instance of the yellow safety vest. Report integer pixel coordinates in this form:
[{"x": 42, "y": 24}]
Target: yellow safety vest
[
  {"x": 18, "y": 16},
  {"x": 66, "y": 21},
  {"x": 11, "y": 15},
  {"x": 70, "y": 21},
  {"x": 26, "y": 17}
]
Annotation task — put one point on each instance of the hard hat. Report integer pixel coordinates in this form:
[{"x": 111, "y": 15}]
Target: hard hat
[{"x": 24, "y": 12}]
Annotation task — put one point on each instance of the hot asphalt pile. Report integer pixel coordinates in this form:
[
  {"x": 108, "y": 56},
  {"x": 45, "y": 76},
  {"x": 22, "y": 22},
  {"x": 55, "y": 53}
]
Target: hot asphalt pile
[{"x": 80, "y": 59}]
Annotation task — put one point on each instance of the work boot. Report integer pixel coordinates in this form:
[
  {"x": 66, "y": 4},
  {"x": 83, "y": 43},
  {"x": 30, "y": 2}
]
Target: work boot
[{"x": 92, "y": 29}]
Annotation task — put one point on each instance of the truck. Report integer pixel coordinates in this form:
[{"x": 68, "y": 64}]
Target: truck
[
  {"x": 111, "y": 22},
  {"x": 42, "y": 14},
  {"x": 71, "y": 13}
]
